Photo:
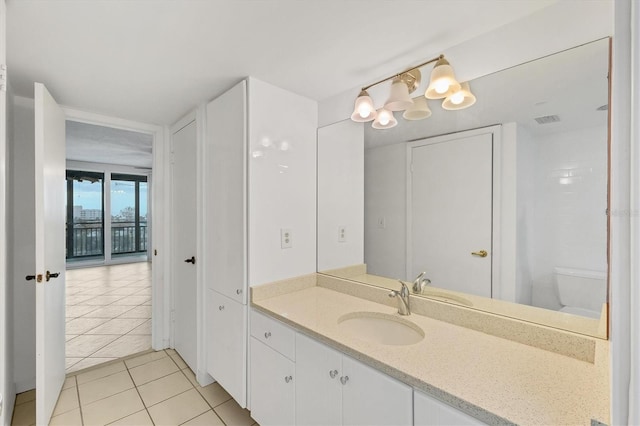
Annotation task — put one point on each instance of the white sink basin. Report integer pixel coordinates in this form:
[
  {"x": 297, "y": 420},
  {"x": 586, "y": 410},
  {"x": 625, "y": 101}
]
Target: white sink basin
[{"x": 380, "y": 328}]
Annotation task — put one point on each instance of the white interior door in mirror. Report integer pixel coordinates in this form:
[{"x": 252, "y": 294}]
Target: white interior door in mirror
[
  {"x": 184, "y": 238},
  {"x": 50, "y": 251},
  {"x": 449, "y": 205}
]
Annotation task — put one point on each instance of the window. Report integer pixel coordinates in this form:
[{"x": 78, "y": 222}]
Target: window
[
  {"x": 128, "y": 214},
  {"x": 85, "y": 218}
]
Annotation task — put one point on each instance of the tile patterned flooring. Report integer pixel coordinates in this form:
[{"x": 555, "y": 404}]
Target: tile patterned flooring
[
  {"x": 156, "y": 388},
  {"x": 108, "y": 313}
]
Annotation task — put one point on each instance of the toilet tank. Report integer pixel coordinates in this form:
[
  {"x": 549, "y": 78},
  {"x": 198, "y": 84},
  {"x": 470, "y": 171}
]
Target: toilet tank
[{"x": 582, "y": 288}]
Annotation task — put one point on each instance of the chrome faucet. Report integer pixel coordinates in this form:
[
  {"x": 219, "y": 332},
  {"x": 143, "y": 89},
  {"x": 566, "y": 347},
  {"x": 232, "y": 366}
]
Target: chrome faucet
[
  {"x": 403, "y": 299},
  {"x": 420, "y": 283}
]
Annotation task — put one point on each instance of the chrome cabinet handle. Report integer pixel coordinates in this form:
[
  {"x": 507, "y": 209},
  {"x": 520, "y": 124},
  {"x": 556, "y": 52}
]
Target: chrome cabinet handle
[
  {"x": 221, "y": 307},
  {"x": 288, "y": 379},
  {"x": 344, "y": 379},
  {"x": 481, "y": 253},
  {"x": 267, "y": 334},
  {"x": 333, "y": 373},
  {"x": 239, "y": 291}
]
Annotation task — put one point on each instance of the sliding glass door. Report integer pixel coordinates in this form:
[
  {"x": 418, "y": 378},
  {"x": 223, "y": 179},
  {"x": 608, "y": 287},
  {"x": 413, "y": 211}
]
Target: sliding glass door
[
  {"x": 105, "y": 225},
  {"x": 85, "y": 218},
  {"x": 128, "y": 214}
]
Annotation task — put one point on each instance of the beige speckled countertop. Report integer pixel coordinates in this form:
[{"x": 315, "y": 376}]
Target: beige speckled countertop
[{"x": 496, "y": 380}]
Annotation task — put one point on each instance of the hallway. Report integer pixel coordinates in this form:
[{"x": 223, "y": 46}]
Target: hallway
[{"x": 108, "y": 313}]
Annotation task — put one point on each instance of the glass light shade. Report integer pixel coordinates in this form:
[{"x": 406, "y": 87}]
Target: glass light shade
[
  {"x": 363, "y": 110},
  {"x": 419, "y": 110},
  {"x": 461, "y": 99},
  {"x": 399, "y": 98},
  {"x": 443, "y": 82},
  {"x": 384, "y": 120}
]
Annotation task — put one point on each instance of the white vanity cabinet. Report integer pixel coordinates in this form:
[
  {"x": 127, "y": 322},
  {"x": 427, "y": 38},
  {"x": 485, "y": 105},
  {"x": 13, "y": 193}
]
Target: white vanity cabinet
[
  {"x": 273, "y": 377},
  {"x": 226, "y": 353},
  {"x": 429, "y": 411},
  {"x": 334, "y": 389},
  {"x": 273, "y": 382}
]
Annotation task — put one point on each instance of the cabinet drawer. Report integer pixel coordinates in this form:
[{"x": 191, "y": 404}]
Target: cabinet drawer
[{"x": 273, "y": 333}]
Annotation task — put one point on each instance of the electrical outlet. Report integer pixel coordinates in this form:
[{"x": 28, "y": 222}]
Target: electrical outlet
[
  {"x": 286, "y": 238},
  {"x": 342, "y": 234},
  {"x": 382, "y": 222}
]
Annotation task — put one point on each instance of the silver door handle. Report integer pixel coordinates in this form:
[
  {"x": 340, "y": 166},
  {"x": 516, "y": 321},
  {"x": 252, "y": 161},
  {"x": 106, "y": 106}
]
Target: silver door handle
[
  {"x": 221, "y": 307},
  {"x": 267, "y": 334},
  {"x": 333, "y": 373},
  {"x": 288, "y": 379},
  {"x": 239, "y": 291},
  {"x": 344, "y": 379}
]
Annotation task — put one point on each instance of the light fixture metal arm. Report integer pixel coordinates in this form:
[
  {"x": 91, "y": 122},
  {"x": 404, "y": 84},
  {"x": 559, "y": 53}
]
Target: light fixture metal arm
[{"x": 403, "y": 72}]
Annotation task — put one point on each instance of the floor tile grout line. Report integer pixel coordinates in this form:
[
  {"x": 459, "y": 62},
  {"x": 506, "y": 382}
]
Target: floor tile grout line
[{"x": 75, "y": 379}]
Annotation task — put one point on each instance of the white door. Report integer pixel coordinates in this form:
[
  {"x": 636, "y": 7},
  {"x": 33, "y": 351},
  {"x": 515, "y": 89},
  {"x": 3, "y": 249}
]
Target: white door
[
  {"x": 450, "y": 197},
  {"x": 49, "y": 251},
  {"x": 184, "y": 239}
]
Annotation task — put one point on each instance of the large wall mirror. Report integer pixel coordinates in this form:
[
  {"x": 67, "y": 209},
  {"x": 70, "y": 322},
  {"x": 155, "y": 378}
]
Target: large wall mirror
[{"x": 502, "y": 205}]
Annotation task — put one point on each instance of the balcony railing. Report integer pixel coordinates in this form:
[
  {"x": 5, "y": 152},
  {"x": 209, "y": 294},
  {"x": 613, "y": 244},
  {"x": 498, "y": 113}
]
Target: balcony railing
[{"x": 88, "y": 239}]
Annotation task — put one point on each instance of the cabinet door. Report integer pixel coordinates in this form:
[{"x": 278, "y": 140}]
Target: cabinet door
[
  {"x": 225, "y": 195},
  {"x": 318, "y": 389},
  {"x": 373, "y": 398},
  {"x": 226, "y": 344},
  {"x": 429, "y": 411},
  {"x": 273, "y": 384}
]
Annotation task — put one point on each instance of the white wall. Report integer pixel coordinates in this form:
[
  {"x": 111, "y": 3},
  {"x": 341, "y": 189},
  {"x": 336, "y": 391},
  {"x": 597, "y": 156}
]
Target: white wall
[
  {"x": 282, "y": 182},
  {"x": 570, "y": 199},
  {"x": 340, "y": 195},
  {"x": 21, "y": 242},
  {"x": 512, "y": 44},
  {"x": 524, "y": 227},
  {"x": 385, "y": 171}
]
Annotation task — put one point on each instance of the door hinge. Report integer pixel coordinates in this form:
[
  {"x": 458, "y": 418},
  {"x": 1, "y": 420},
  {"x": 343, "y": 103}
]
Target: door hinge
[{"x": 3, "y": 78}]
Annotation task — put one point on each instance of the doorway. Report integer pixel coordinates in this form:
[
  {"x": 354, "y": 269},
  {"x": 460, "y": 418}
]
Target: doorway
[{"x": 108, "y": 245}]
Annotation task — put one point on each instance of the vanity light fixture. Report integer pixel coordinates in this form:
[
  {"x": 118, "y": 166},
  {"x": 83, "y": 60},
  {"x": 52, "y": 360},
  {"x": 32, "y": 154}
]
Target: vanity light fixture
[{"x": 442, "y": 85}]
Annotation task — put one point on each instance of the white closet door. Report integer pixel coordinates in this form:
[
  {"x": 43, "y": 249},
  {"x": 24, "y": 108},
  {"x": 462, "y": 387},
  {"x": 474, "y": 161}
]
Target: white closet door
[
  {"x": 225, "y": 195},
  {"x": 184, "y": 243},
  {"x": 451, "y": 212},
  {"x": 49, "y": 225}
]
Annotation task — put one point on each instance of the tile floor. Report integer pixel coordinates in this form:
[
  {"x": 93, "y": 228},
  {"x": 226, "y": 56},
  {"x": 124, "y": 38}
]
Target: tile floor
[
  {"x": 156, "y": 388},
  {"x": 108, "y": 313}
]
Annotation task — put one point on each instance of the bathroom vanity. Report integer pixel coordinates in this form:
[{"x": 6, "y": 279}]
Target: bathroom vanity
[{"x": 310, "y": 365}]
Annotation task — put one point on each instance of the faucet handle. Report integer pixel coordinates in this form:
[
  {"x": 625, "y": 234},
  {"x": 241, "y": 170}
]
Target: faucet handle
[{"x": 404, "y": 291}]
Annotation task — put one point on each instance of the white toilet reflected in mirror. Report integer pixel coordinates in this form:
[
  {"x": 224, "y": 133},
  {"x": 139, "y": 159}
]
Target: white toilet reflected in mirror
[{"x": 581, "y": 291}]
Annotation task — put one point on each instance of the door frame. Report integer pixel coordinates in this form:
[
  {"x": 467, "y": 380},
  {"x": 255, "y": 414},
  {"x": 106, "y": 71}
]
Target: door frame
[
  {"x": 7, "y": 391},
  {"x": 496, "y": 205},
  {"x": 160, "y": 217}
]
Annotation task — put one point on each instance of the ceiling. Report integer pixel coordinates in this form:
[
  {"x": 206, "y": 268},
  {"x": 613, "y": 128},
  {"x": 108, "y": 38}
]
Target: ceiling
[
  {"x": 99, "y": 144},
  {"x": 154, "y": 60}
]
